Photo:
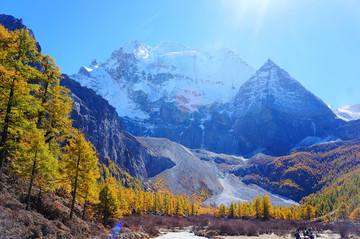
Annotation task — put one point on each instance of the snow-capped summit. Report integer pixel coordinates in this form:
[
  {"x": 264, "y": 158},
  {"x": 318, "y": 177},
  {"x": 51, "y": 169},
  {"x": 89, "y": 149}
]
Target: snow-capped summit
[
  {"x": 273, "y": 87},
  {"x": 348, "y": 112},
  {"x": 165, "y": 72},
  {"x": 168, "y": 90},
  {"x": 197, "y": 97},
  {"x": 269, "y": 64},
  {"x": 273, "y": 112},
  {"x": 136, "y": 48}
]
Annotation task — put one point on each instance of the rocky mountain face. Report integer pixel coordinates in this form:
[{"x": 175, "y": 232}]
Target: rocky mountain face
[
  {"x": 103, "y": 128},
  {"x": 170, "y": 91},
  {"x": 12, "y": 23},
  {"x": 273, "y": 112},
  {"x": 348, "y": 131},
  {"x": 185, "y": 170},
  {"x": 204, "y": 99}
]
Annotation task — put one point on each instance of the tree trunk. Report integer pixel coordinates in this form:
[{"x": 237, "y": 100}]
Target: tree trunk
[
  {"x": 106, "y": 210},
  {"x": 31, "y": 183},
  {"x": 75, "y": 188},
  {"x": 4, "y": 133},
  {"x": 39, "y": 199},
  {"x": 84, "y": 210},
  {"x": 41, "y": 113}
]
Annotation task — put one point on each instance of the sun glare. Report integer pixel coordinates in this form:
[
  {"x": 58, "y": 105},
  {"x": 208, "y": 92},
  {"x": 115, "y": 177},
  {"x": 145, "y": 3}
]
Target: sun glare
[{"x": 241, "y": 13}]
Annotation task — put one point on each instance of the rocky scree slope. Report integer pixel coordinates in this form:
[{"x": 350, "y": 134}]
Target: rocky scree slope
[{"x": 197, "y": 170}]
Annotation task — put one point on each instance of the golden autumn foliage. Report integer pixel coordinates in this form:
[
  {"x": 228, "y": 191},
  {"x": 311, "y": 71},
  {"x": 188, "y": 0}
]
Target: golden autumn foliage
[
  {"x": 80, "y": 167},
  {"x": 355, "y": 215},
  {"x": 342, "y": 195},
  {"x": 307, "y": 170},
  {"x": 36, "y": 163},
  {"x": 17, "y": 104},
  {"x": 262, "y": 208}
]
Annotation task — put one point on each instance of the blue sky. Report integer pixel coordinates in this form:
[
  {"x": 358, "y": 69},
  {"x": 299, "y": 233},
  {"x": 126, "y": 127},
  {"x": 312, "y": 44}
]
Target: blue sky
[{"x": 316, "y": 41}]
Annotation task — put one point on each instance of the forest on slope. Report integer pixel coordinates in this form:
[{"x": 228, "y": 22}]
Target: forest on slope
[{"x": 305, "y": 170}]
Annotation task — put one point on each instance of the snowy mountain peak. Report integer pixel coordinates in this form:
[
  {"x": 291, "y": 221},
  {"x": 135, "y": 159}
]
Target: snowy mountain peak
[
  {"x": 277, "y": 113},
  {"x": 270, "y": 66},
  {"x": 136, "y": 48},
  {"x": 270, "y": 75},
  {"x": 269, "y": 63},
  {"x": 348, "y": 112},
  {"x": 138, "y": 79},
  {"x": 271, "y": 86}
]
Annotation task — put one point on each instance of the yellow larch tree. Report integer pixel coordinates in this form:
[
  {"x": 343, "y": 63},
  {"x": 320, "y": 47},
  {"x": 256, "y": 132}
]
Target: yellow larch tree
[
  {"x": 79, "y": 163},
  {"x": 35, "y": 161},
  {"x": 18, "y": 53}
]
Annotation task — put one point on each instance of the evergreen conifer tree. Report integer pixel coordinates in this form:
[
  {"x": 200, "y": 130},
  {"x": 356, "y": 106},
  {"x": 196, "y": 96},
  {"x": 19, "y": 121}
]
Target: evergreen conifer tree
[
  {"x": 108, "y": 205},
  {"x": 266, "y": 207},
  {"x": 34, "y": 161},
  {"x": 79, "y": 165},
  {"x": 17, "y": 104},
  {"x": 355, "y": 215}
]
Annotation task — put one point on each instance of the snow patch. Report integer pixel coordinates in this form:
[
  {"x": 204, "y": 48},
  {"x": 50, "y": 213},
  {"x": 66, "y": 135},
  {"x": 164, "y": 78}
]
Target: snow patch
[
  {"x": 103, "y": 84},
  {"x": 348, "y": 112},
  {"x": 179, "y": 235},
  {"x": 88, "y": 69},
  {"x": 313, "y": 140},
  {"x": 136, "y": 48},
  {"x": 138, "y": 74}
]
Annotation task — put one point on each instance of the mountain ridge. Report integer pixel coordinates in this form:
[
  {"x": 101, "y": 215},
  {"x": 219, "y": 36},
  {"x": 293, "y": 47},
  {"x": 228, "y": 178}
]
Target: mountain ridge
[
  {"x": 153, "y": 100},
  {"x": 273, "y": 112},
  {"x": 348, "y": 112},
  {"x": 12, "y": 23}
]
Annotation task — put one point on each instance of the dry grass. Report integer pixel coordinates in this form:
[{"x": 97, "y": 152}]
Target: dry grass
[
  {"x": 209, "y": 226},
  {"x": 46, "y": 220}
]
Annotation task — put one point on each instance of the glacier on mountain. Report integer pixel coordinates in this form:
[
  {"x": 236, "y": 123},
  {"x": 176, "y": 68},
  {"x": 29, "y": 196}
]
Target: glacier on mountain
[
  {"x": 164, "y": 72},
  {"x": 207, "y": 98},
  {"x": 348, "y": 112}
]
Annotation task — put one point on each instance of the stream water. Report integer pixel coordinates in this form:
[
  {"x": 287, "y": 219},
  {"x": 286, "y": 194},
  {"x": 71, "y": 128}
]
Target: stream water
[{"x": 179, "y": 235}]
